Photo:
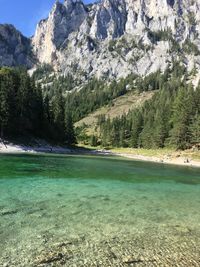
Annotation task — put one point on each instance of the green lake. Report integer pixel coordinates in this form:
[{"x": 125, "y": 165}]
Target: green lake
[{"x": 97, "y": 211}]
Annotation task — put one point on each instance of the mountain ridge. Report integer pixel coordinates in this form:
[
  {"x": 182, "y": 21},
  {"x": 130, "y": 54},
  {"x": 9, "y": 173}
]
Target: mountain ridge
[
  {"x": 113, "y": 38},
  {"x": 15, "y": 48}
]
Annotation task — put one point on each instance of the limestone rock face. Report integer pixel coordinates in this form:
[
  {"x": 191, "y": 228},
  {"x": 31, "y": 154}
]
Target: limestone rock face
[
  {"x": 15, "y": 49},
  {"x": 113, "y": 38},
  {"x": 52, "y": 33},
  {"x": 109, "y": 20}
]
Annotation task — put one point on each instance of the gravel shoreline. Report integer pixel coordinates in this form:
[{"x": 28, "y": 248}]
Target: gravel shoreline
[{"x": 46, "y": 148}]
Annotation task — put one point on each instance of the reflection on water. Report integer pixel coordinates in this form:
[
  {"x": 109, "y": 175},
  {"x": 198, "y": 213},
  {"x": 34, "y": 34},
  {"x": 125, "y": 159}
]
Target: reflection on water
[{"x": 95, "y": 211}]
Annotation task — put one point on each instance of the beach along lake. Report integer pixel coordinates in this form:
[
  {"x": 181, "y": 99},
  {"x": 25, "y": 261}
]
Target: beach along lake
[{"x": 97, "y": 211}]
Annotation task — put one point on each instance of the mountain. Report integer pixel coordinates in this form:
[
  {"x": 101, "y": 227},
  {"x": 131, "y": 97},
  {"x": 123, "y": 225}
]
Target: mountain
[
  {"x": 93, "y": 64},
  {"x": 15, "y": 49},
  {"x": 113, "y": 38},
  {"x": 109, "y": 39}
]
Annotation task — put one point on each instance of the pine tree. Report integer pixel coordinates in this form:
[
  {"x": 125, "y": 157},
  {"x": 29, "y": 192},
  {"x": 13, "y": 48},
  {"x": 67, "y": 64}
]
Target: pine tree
[
  {"x": 181, "y": 118},
  {"x": 58, "y": 114},
  {"x": 6, "y": 84},
  {"x": 136, "y": 128},
  {"x": 93, "y": 141},
  {"x": 4, "y": 109},
  {"x": 69, "y": 129},
  {"x": 195, "y": 130}
]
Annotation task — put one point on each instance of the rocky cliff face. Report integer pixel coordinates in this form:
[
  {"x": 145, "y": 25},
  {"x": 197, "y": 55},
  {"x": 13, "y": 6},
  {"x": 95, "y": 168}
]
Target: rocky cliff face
[
  {"x": 116, "y": 37},
  {"x": 113, "y": 38},
  {"x": 15, "y": 49},
  {"x": 52, "y": 34}
]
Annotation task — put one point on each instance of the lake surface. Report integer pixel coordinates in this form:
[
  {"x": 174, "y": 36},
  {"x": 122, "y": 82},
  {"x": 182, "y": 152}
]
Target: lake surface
[{"x": 97, "y": 211}]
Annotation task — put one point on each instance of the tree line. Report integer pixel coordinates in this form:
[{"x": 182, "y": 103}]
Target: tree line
[
  {"x": 170, "y": 119},
  {"x": 25, "y": 111},
  {"x": 99, "y": 93}
]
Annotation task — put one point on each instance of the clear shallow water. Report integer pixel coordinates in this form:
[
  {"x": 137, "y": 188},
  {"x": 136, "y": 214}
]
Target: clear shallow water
[{"x": 97, "y": 211}]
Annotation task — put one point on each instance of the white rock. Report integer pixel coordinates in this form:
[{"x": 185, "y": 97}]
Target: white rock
[{"x": 112, "y": 37}]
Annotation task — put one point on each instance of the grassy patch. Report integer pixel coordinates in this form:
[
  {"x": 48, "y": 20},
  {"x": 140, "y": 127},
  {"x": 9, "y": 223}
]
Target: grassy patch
[
  {"x": 144, "y": 152},
  {"x": 159, "y": 153}
]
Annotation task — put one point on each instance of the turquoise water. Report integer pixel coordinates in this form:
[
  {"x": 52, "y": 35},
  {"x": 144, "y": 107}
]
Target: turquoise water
[{"x": 97, "y": 211}]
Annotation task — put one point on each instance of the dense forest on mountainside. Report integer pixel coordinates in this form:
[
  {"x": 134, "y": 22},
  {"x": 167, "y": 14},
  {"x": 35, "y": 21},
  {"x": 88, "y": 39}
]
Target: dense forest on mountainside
[
  {"x": 170, "y": 118},
  {"x": 24, "y": 110},
  {"x": 98, "y": 93}
]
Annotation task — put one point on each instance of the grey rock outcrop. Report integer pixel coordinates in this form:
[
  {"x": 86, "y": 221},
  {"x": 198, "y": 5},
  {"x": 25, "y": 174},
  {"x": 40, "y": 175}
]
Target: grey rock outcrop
[
  {"x": 52, "y": 34},
  {"x": 15, "y": 49},
  {"x": 113, "y": 38}
]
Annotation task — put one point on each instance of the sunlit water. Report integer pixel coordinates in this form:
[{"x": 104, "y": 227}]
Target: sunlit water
[{"x": 97, "y": 211}]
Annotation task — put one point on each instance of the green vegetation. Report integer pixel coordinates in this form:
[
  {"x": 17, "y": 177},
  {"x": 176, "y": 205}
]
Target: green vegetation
[
  {"x": 42, "y": 71},
  {"x": 23, "y": 111},
  {"x": 166, "y": 116},
  {"x": 95, "y": 94},
  {"x": 98, "y": 93},
  {"x": 123, "y": 46},
  {"x": 162, "y": 35},
  {"x": 118, "y": 106},
  {"x": 170, "y": 119},
  {"x": 190, "y": 48}
]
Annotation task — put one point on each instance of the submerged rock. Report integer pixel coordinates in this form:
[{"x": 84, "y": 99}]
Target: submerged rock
[
  {"x": 8, "y": 212},
  {"x": 51, "y": 257}
]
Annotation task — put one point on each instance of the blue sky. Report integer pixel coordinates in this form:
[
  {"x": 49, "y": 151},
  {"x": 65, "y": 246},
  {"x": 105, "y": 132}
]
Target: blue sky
[{"x": 25, "y": 14}]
